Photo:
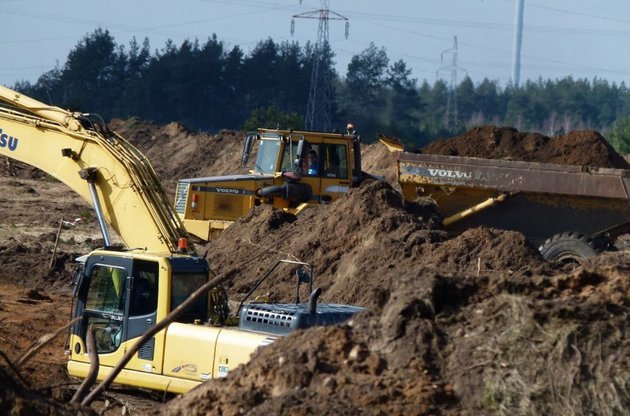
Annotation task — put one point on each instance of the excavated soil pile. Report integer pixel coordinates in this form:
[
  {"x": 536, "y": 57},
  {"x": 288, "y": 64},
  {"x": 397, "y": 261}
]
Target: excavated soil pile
[
  {"x": 358, "y": 244},
  {"x": 337, "y": 370},
  {"x": 29, "y": 261},
  {"x": 177, "y": 153},
  {"x": 545, "y": 345},
  {"x": 448, "y": 344},
  {"x": 586, "y": 148},
  {"x": 377, "y": 160},
  {"x": 485, "y": 250},
  {"x": 352, "y": 244},
  {"x": 478, "y": 324}
]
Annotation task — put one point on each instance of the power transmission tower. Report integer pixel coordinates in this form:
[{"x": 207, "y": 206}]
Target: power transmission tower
[
  {"x": 320, "y": 93},
  {"x": 451, "y": 101}
]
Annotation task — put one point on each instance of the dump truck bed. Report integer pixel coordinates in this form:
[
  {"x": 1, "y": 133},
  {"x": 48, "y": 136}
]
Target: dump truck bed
[{"x": 537, "y": 199}]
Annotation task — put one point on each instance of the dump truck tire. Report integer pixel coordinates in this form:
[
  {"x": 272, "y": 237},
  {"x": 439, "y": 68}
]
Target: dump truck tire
[{"x": 570, "y": 247}]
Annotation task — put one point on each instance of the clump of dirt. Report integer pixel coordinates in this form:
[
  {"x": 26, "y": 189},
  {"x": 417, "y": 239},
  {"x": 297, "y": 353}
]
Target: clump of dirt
[
  {"x": 585, "y": 148},
  {"x": 483, "y": 250}
]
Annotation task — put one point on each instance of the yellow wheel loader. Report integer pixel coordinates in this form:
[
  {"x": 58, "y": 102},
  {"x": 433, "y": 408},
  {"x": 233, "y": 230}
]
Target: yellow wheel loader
[
  {"x": 293, "y": 170},
  {"x": 122, "y": 292}
]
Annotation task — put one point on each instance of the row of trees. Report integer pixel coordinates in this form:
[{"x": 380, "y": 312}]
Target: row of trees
[{"x": 210, "y": 86}]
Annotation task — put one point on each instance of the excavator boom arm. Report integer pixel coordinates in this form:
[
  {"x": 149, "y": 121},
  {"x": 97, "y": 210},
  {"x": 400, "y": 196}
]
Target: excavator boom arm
[{"x": 63, "y": 144}]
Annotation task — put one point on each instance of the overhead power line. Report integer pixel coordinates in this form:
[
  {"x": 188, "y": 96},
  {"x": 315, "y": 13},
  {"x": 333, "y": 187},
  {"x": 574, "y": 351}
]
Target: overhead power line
[
  {"x": 452, "y": 68},
  {"x": 319, "y": 108}
]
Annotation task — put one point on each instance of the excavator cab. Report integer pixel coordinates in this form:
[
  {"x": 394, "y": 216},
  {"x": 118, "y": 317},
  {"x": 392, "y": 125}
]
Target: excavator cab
[{"x": 121, "y": 295}]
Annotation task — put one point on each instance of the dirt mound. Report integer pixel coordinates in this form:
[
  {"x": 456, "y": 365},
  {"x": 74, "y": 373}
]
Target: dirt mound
[
  {"x": 370, "y": 232},
  {"x": 366, "y": 233},
  {"x": 177, "y": 153},
  {"x": 433, "y": 304},
  {"x": 552, "y": 345},
  {"x": 586, "y": 148},
  {"x": 484, "y": 250},
  {"x": 370, "y": 366},
  {"x": 377, "y": 160},
  {"x": 448, "y": 344},
  {"x": 28, "y": 262}
]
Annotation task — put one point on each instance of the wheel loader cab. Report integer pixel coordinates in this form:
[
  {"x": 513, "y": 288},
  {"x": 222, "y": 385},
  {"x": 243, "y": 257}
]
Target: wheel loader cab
[{"x": 322, "y": 164}]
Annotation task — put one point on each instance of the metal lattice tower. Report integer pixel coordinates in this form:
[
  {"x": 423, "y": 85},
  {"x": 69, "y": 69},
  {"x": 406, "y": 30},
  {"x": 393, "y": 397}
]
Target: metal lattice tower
[
  {"x": 451, "y": 101},
  {"x": 318, "y": 112}
]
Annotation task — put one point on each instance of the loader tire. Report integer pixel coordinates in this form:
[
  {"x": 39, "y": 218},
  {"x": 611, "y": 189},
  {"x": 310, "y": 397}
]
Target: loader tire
[{"x": 570, "y": 247}]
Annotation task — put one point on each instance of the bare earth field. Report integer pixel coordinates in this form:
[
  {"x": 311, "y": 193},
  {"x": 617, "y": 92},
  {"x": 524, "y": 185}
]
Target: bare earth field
[{"x": 476, "y": 324}]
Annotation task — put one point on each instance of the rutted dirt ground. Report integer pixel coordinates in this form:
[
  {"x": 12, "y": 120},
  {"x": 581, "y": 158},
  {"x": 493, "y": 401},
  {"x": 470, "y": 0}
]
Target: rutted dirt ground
[{"x": 477, "y": 324}]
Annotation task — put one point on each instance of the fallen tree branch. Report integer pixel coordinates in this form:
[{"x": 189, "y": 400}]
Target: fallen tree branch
[
  {"x": 94, "y": 364},
  {"x": 13, "y": 367}
]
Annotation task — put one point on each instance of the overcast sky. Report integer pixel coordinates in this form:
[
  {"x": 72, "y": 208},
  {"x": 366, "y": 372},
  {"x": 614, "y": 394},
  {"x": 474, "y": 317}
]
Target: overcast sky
[{"x": 582, "y": 38}]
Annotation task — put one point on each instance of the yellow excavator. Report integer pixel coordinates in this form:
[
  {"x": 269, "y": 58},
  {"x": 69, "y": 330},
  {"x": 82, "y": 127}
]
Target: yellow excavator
[
  {"x": 121, "y": 292},
  {"x": 293, "y": 170}
]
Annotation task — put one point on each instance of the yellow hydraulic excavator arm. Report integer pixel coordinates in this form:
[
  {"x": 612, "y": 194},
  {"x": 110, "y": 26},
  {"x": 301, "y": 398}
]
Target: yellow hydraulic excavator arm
[{"x": 98, "y": 164}]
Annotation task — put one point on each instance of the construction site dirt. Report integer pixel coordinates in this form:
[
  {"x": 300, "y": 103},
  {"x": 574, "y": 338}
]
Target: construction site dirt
[{"x": 479, "y": 323}]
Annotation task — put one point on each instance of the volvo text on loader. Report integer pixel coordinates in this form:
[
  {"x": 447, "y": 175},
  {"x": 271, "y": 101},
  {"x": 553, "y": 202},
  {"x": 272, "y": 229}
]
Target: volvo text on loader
[{"x": 122, "y": 292}]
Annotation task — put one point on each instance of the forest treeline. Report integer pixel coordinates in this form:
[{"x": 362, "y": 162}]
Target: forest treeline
[{"x": 210, "y": 86}]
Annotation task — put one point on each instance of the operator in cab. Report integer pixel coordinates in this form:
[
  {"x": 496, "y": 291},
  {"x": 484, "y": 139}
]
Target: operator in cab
[{"x": 313, "y": 163}]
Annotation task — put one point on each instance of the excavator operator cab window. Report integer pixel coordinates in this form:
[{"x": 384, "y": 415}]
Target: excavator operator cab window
[
  {"x": 105, "y": 305},
  {"x": 183, "y": 285},
  {"x": 144, "y": 292}
]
